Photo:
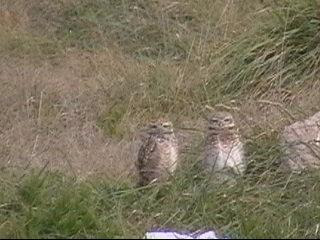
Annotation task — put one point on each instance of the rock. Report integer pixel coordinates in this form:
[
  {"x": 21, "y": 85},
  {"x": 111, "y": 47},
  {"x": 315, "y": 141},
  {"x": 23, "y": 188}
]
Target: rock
[{"x": 301, "y": 144}]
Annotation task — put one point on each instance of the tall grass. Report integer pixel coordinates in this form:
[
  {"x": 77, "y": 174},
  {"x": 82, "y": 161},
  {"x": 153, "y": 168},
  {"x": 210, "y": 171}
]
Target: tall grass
[
  {"x": 52, "y": 205},
  {"x": 280, "y": 52}
]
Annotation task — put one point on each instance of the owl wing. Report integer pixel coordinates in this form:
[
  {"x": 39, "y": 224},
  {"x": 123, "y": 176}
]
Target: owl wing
[{"x": 147, "y": 147}]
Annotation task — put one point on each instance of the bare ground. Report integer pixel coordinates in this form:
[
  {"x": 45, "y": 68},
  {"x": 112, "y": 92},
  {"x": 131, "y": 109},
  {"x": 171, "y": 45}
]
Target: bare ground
[
  {"x": 50, "y": 106},
  {"x": 49, "y": 112}
]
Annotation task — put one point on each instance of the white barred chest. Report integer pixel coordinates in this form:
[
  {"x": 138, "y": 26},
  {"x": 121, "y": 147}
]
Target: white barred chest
[
  {"x": 231, "y": 155},
  {"x": 168, "y": 153}
]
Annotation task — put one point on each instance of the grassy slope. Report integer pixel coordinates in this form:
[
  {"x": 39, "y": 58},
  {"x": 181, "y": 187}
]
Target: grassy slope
[{"x": 75, "y": 73}]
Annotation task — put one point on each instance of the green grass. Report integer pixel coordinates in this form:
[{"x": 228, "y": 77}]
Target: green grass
[
  {"x": 280, "y": 52},
  {"x": 51, "y": 205},
  {"x": 18, "y": 44}
]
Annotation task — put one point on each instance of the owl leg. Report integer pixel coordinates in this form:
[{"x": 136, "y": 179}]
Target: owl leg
[
  {"x": 239, "y": 169},
  {"x": 148, "y": 177}
]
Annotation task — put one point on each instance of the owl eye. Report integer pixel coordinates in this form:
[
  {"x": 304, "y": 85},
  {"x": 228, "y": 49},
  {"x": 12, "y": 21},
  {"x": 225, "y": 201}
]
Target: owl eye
[
  {"x": 214, "y": 120},
  {"x": 153, "y": 126},
  {"x": 166, "y": 125},
  {"x": 228, "y": 120}
]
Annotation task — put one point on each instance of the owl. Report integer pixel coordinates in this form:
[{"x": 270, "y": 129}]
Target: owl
[
  {"x": 158, "y": 154},
  {"x": 223, "y": 149}
]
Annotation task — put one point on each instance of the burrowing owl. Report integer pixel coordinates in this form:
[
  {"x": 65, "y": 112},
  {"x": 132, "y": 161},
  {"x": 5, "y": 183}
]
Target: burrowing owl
[
  {"x": 223, "y": 148},
  {"x": 158, "y": 154}
]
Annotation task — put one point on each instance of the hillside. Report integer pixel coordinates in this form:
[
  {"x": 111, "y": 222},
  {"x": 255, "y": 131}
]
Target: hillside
[{"x": 79, "y": 78}]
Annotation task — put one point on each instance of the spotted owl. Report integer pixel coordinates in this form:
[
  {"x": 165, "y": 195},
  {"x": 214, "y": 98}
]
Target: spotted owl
[
  {"x": 223, "y": 149},
  {"x": 158, "y": 154}
]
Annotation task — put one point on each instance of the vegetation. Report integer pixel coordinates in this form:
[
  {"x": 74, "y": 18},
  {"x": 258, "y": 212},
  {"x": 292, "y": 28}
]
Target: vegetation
[{"x": 78, "y": 78}]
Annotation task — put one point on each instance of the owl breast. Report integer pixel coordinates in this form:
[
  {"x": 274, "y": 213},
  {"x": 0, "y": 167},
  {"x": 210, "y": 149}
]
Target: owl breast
[
  {"x": 168, "y": 154},
  {"x": 231, "y": 155}
]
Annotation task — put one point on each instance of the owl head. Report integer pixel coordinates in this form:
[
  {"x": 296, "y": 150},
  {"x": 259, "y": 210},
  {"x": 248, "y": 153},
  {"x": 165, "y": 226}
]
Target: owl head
[
  {"x": 220, "y": 121},
  {"x": 161, "y": 126}
]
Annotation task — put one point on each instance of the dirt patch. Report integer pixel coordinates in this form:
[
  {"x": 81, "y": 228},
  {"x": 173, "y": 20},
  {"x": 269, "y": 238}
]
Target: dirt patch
[
  {"x": 50, "y": 109},
  {"x": 48, "y": 116}
]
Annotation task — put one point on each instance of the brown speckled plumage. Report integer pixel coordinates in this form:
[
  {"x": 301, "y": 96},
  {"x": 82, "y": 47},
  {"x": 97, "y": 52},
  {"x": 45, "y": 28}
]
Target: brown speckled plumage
[
  {"x": 223, "y": 148},
  {"x": 158, "y": 154}
]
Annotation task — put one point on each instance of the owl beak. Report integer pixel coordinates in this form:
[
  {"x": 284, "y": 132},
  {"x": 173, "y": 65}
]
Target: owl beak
[
  {"x": 145, "y": 129},
  {"x": 168, "y": 132}
]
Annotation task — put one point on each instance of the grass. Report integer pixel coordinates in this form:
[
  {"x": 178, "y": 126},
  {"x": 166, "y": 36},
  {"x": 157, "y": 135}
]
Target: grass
[
  {"x": 53, "y": 205},
  {"x": 78, "y": 78},
  {"x": 279, "y": 53},
  {"x": 21, "y": 44}
]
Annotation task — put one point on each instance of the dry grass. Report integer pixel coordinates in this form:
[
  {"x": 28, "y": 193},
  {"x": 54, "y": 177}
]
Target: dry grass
[
  {"x": 79, "y": 78},
  {"x": 49, "y": 115},
  {"x": 66, "y": 105}
]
